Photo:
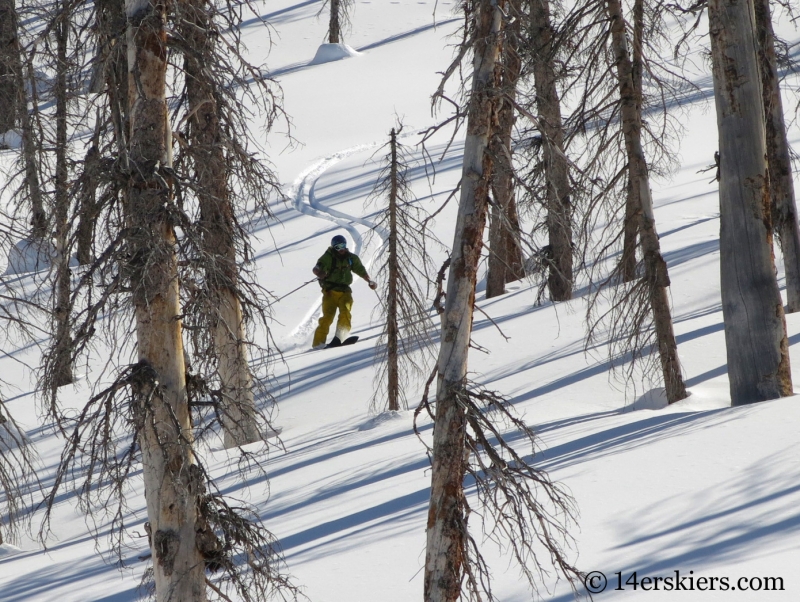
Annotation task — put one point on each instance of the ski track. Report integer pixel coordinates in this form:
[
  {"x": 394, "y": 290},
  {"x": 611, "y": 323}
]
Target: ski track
[{"x": 305, "y": 201}]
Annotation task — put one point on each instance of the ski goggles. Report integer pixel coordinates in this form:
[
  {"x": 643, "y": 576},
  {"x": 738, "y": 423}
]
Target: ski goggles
[{"x": 340, "y": 246}]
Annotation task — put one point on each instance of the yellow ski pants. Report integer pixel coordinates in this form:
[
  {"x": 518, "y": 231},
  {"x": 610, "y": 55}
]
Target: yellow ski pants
[{"x": 331, "y": 301}]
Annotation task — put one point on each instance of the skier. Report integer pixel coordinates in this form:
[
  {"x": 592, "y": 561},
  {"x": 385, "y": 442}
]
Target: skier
[{"x": 334, "y": 271}]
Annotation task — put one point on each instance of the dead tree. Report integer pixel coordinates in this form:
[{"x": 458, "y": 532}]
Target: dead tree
[
  {"x": 156, "y": 410},
  {"x": 161, "y": 414},
  {"x": 633, "y": 212},
  {"x": 17, "y": 475},
  {"x": 10, "y": 90},
  {"x": 87, "y": 205},
  {"x": 62, "y": 368},
  {"x": 15, "y": 66},
  {"x": 755, "y": 328},
  {"x": 616, "y": 153},
  {"x": 339, "y": 19},
  {"x": 655, "y": 268},
  {"x": 542, "y": 55},
  {"x": 505, "y": 263},
  {"x": 463, "y": 426},
  {"x": 404, "y": 348},
  {"x": 206, "y": 147},
  {"x": 781, "y": 184}
]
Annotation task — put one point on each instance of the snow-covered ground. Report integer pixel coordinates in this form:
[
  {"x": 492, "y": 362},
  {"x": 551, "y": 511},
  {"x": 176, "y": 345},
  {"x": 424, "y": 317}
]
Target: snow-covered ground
[{"x": 699, "y": 488}]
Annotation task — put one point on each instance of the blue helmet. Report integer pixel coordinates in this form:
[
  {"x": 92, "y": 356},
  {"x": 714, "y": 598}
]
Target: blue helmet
[{"x": 339, "y": 242}]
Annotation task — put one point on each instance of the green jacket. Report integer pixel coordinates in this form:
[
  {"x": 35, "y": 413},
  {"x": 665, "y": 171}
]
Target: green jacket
[{"x": 338, "y": 270}]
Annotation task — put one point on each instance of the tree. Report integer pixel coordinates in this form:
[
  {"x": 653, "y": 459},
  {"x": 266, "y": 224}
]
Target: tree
[
  {"x": 339, "y": 18},
  {"x": 781, "y": 184},
  {"x": 655, "y": 268},
  {"x": 505, "y": 263},
  {"x": 404, "y": 346},
  {"x": 62, "y": 369},
  {"x": 542, "y": 56},
  {"x": 155, "y": 410},
  {"x": 633, "y": 215},
  {"x": 17, "y": 474},
  {"x": 467, "y": 438},
  {"x": 161, "y": 411},
  {"x": 13, "y": 96},
  {"x": 10, "y": 91},
  {"x": 206, "y": 146},
  {"x": 755, "y": 328}
]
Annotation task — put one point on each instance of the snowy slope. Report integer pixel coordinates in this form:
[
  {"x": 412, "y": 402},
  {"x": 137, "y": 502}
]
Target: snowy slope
[{"x": 697, "y": 487}]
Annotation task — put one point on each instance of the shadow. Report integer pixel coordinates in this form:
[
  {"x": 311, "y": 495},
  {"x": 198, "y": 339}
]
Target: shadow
[
  {"x": 43, "y": 581},
  {"x": 295, "y": 67},
  {"x": 723, "y": 369},
  {"x": 289, "y": 14},
  {"x": 626, "y": 437},
  {"x": 684, "y": 254},
  {"x": 391, "y": 512},
  {"x": 687, "y": 226},
  {"x": 746, "y": 517},
  {"x": 406, "y": 34},
  {"x": 344, "y": 487}
]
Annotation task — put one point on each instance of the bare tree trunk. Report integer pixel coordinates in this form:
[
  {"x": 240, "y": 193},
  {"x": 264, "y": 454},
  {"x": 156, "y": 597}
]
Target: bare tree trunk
[
  {"x": 755, "y": 328},
  {"x": 113, "y": 23},
  {"x": 62, "y": 369},
  {"x": 88, "y": 210},
  {"x": 10, "y": 85},
  {"x": 447, "y": 518},
  {"x": 632, "y": 205},
  {"x": 505, "y": 256},
  {"x": 781, "y": 185},
  {"x": 335, "y": 27},
  {"x": 160, "y": 400},
  {"x": 14, "y": 97},
  {"x": 556, "y": 167},
  {"x": 655, "y": 267},
  {"x": 110, "y": 76},
  {"x": 392, "y": 330},
  {"x": 31, "y": 152},
  {"x": 217, "y": 223}
]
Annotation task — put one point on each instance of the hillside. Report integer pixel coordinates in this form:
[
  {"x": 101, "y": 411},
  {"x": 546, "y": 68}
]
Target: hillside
[{"x": 697, "y": 487}]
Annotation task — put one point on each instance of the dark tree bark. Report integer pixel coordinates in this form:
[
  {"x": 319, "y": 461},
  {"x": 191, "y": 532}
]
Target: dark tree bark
[
  {"x": 88, "y": 207},
  {"x": 62, "y": 368},
  {"x": 556, "y": 167},
  {"x": 781, "y": 184},
  {"x": 10, "y": 84},
  {"x": 161, "y": 411},
  {"x": 392, "y": 329},
  {"x": 335, "y": 26},
  {"x": 755, "y": 328},
  {"x": 447, "y": 517},
  {"x": 31, "y": 151},
  {"x": 655, "y": 267},
  {"x": 218, "y": 238},
  {"x": 505, "y": 253},
  {"x": 111, "y": 78},
  {"x": 14, "y": 99},
  {"x": 632, "y": 210}
]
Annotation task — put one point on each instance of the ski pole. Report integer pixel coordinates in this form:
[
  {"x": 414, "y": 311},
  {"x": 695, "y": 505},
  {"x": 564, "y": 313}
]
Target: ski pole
[{"x": 295, "y": 290}]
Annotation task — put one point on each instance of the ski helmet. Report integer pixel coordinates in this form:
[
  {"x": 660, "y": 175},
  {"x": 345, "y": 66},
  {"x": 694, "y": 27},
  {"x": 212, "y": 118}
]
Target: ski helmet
[{"x": 339, "y": 242}]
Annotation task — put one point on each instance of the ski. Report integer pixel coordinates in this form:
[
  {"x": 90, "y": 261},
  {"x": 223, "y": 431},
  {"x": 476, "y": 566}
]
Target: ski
[{"x": 335, "y": 342}]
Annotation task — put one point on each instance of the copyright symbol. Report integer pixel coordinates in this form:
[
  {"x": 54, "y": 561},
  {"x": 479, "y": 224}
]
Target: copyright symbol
[{"x": 595, "y": 582}]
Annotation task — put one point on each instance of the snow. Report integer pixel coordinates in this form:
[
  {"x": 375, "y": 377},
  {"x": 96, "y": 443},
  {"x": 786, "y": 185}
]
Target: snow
[
  {"x": 333, "y": 52},
  {"x": 696, "y": 486},
  {"x": 10, "y": 139},
  {"x": 30, "y": 256}
]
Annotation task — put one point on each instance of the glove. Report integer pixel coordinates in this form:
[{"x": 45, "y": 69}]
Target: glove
[{"x": 373, "y": 285}]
